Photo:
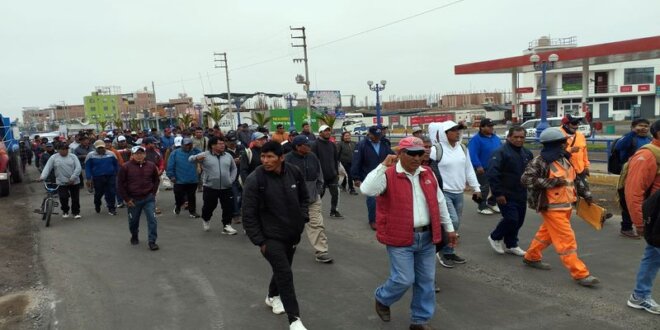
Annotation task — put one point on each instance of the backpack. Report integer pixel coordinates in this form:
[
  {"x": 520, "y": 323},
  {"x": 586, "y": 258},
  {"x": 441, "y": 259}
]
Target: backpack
[
  {"x": 614, "y": 163},
  {"x": 439, "y": 151}
]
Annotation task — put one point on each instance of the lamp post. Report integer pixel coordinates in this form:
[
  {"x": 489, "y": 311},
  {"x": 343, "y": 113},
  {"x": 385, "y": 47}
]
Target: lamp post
[
  {"x": 543, "y": 65},
  {"x": 377, "y": 88},
  {"x": 238, "y": 102},
  {"x": 300, "y": 79},
  {"x": 170, "y": 113},
  {"x": 124, "y": 117},
  {"x": 145, "y": 117},
  {"x": 290, "y": 97},
  {"x": 199, "y": 107}
]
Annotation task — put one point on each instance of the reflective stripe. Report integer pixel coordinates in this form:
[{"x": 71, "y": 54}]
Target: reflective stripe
[
  {"x": 567, "y": 252},
  {"x": 542, "y": 241},
  {"x": 559, "y": 206},
  {"x": 553, "y": 167}
]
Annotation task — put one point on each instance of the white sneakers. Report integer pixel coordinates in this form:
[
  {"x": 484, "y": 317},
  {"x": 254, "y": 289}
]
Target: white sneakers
[
  {"x": 297, "y": 325},
  {"x": 229, "y": 230},
  {"x": 77, "y": 216},
  {"x": 495, "y": 208},
  {"x": 276, "y": 304},
  {"x": 516, "y": 251},
  {"x": 206, "y": 225},
  {"x": 496, "y": 245},
  {"x": 65, "y": 215},
  {"x": 486, "y": 211}
]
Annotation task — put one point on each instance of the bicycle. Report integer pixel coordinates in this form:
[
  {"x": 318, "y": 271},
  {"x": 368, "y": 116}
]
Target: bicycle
[{"x": 49, "y": 203}]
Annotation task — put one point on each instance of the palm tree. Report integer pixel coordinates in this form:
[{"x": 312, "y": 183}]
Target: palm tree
[
  {"x": 186, "y": 120},
  {"x": 118, "y": 123},
  {"x": 102, "y": 124},
  {"x": 327, "y": 119},
  {"x": 135, "y": 124},
  {"x": 260, "y": 118},
  {"x": 216, "y": 114}
]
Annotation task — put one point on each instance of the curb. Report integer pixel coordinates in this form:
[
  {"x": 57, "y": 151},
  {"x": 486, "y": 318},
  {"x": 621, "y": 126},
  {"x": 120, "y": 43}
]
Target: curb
[{"x": 604, "y": 179}]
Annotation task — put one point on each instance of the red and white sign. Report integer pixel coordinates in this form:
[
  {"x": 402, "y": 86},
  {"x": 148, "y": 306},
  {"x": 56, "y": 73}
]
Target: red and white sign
[
  {"x": 643, "y": 88},
  {"x": 419, "y": 120},
  {"x": 657, "y": 80},
  {"x": 522, "y": 90},
  {"x": 394, "y": 119},
  {"x": 625, "y": 89}
]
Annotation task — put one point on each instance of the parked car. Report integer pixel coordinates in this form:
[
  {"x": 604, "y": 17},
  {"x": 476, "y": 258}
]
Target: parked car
[{"x": 530, "y": 125}]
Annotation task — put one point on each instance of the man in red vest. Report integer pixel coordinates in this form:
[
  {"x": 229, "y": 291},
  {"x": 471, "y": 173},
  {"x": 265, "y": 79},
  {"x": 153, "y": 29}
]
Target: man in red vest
[{"x": 409, "y": 211}]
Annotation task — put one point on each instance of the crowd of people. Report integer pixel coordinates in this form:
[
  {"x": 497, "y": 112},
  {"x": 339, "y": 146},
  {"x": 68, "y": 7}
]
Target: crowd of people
[{"x": 414, "y": 193}]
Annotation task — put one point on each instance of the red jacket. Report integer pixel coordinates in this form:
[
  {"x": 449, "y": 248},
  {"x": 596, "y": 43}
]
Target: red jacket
[
  {"x": 137, "y": 181},
  {"x": 394, "y": 208},
  {"x": 643, "y": 173}
]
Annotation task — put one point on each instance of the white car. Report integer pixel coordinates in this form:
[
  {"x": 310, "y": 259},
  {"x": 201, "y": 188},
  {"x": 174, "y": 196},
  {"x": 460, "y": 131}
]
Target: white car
[{"x": 530, "y": 126}]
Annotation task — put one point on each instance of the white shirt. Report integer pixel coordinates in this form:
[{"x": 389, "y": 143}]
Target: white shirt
[
  {"x": 376, "y": 182},
  {"x": 456, "y": 168}
]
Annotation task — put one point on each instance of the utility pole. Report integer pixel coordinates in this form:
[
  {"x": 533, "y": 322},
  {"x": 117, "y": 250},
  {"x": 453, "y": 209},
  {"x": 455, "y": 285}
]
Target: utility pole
[
  {"x": 223, "y": 65},
  {"x": 305, "y": 80}
]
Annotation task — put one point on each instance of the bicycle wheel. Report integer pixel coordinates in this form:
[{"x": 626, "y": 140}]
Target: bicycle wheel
[{"x": 48, "y": 208}]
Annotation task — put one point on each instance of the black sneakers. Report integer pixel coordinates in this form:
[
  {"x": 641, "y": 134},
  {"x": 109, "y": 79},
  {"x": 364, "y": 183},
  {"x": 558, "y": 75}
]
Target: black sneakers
[
  {"x": 153, "y": 246},
  {"x": 177, "y": 210},
  {"x": 336, "y": 214},
  {"x": 134, "y": 240}
]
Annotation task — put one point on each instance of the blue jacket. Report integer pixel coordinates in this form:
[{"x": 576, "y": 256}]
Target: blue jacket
[
  {"x": 166, "y": 143},
  {"x": 505, "y": 168},
  {"x": 100, "y": 165},
  {"x": 627, "y": 146},
  {"x": 365, "y": 158},
  {"x": 179, "y": 168},
  {"x": 481, "y": 148}
]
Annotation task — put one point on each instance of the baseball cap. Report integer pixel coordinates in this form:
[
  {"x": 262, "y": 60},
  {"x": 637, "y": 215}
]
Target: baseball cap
[
  {"x": 149, "y": 140},
  {"x": 138, "y": 141},
  {"x": 136, "y": 149},
  {"x": 300, "y": 140},
  {"x": 460, "y": 125},
  {"x": 279, "y": 126},
  {"x": 486, "y": 122},
  {"x": 177, "y": 141},
  {"x": 107, "y": 140},
  {"x": 411, "y": 143},
  {"x": 121, "y": 138},
  {"x": 293, "y": 132},
  {"x": 375, "y": 130},
  {"x": 570, "y": 119},
  {"x": 99, "y": 144},
  {"x": 186, "y": 141},
  {"x": 323, "y": 128},
  {"x": 110, "y": 134},
  {"x": 416, "y": 129},
  {"x": 231, "y": 137},
  {"x": 49, "y": 145},
  {"x": 258, "y": 135},
  {"x": 133, "y": 133}
]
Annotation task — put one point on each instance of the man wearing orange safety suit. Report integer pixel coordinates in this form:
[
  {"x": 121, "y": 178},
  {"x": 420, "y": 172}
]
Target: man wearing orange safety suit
[
  {"x": 550, "y": 179},
  {"x": 576, "y": 145}
]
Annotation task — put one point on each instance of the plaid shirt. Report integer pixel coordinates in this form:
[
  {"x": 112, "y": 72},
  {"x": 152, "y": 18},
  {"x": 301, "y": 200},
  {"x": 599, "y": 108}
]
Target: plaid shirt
[{"x": 535, "y": 178}]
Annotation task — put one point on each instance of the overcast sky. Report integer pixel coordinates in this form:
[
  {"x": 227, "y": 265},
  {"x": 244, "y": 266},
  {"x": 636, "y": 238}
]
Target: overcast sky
[{"x": 54, "y": 51}]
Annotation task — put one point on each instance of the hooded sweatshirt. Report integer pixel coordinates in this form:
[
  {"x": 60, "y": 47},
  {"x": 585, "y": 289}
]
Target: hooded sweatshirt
[{"x": 455, "y": 166}]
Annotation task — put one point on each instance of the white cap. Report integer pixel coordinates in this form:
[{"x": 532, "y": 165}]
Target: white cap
[
  {"x": 121, "y": 138},
  {"x": 323, "y": 128},
  {"x": 177, "y": 141}
]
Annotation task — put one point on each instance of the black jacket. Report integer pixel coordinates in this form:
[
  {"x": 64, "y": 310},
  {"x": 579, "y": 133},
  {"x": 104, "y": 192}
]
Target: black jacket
[
  {"x": 505, "y": 168},
  {"x": 276, "y": 208},
  {"x": 247, "y": 166},
  {"x": 328, "y": 155}
]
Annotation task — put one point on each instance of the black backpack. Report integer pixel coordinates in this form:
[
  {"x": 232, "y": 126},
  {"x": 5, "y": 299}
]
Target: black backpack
[
  {"x": 614, "y": 162},
  {"x": 651, "y": 216}
]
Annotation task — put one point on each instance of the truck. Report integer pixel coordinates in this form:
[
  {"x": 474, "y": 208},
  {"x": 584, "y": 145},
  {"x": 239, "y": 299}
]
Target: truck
[{"x": 10, "y": 158}]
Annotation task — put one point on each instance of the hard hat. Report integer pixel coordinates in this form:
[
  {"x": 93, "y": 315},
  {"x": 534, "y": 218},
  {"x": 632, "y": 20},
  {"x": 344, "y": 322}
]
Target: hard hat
[{"x": 551, "y": 134}]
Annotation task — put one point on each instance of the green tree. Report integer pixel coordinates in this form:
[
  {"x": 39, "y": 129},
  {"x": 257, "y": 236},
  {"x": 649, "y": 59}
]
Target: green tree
[
  {"x": 118, "y": 123},
  {"x": 327, "y": 119},
  {"x": 102, "y": 124},
  {"x": 186, "y": 120},
  {"x": 216, "y": 114},
  {"x": 135, "y": 124},
  {"x": 260, "y": 118}
]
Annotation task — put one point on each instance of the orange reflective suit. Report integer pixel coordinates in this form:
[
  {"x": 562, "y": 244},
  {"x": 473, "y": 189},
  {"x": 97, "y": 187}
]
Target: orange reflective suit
[
  {"x": 556, "y": 227},
  {"x": 579, "y": 158}
]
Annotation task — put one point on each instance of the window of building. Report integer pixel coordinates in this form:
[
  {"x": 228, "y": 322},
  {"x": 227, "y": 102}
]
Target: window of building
[
  {"x": 624, "y": 102},
  {"x": 571, "y": 81},
  {"x": 105, "y": 108},
  {"x": 638, "y": 76}
]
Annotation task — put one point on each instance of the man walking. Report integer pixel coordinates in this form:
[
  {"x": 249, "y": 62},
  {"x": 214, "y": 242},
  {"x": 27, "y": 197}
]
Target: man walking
[
  {"x": 411, "y": 209},
  {"x": 67, "y": 174},
  {"x": 346, "y": 147},
  {"x": 367, "y": 155},
  {"x": 183, "y": 174},
  {"x": 251, "y": 158},
  {"x": 642, "y": 181},
  {"x": 455, "y": 166},
  {"x": 309, "y": 165},
  {"x": 219, "y": 174},
  {"x": 275, "y": 211},
  {"x": 481, "y": 148},
  {"x": 505, "y": 168},
  {"x": 327, "y": 153},
  {"x": 101, "y": 169},
  {"x": 138, "y": 182},
  {"x": 553, "y": 190},
  {"x": 81, "y": 152},
  {"x": 279, "y": 135}
]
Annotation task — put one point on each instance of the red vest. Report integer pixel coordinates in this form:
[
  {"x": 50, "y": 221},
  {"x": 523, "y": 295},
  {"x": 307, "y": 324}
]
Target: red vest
[{"x": 394, "y": 208}]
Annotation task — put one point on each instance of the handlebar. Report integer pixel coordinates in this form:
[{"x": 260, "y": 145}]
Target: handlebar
[{"x": 51, "y": 187}]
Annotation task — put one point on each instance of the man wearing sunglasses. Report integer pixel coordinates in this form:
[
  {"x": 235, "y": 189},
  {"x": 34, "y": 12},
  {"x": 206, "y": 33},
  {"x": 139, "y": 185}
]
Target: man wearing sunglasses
[{"x": 410, "y": 210}]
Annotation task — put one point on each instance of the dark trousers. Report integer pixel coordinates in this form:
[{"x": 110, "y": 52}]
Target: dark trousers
[
  {"x": 349, "y": 179},
  {"x": 105, "y": 185},
  {"x": 66, "y": 192},
  {"x": 626, "y": 221},
  {"x": 280, "y": 257},
  {"x": 237, "y": 190},
  {"x": 513, "y": 217},
  {"x": 485, "y": 190},
  {"x": 333, "y": 187},
  {"x": 211, "y": 196},
  {"x": 186, "y": 192}
]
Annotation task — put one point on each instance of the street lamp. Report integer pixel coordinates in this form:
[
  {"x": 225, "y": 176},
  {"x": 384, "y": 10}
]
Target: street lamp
[
  {"x": 238, "y": 102},
  {"x": 377, "y": 88},
  {"x": 145, "y": 117},
  {"x": 543, "y": 65},
  {"x": 290, "y": 97},
  {"x": 199, "y": 107},
  {"x": 300, "y": 79}
]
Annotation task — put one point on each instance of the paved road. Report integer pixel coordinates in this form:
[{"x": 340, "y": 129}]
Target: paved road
[{"x": 206, "y": 280}]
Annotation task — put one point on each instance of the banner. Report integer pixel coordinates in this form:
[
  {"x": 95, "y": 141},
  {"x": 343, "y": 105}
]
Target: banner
[
  {"x": 281, "y": 116},
  {"x": 325, "y": 101}
]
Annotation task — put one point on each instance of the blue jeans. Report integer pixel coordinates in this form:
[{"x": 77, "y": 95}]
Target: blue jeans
[
  {"x": 455, "y": 208},
  {"x": 371, "y": 209},
  {"x": 513, "y": 217},
  {"x": 412, "y": 266},
  {"x": 148, "y": 205},
  {"x": 648, "y": 269}
]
